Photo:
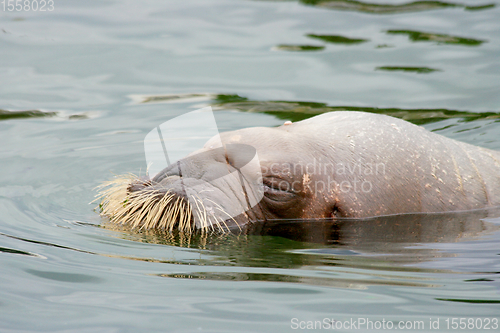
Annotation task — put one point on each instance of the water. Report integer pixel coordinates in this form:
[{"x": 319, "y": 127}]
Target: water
[{"x": 81, "y": 86}]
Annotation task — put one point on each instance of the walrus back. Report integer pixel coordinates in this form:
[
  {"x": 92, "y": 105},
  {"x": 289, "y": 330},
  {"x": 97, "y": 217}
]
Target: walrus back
[{"x": 421, "y": 171}]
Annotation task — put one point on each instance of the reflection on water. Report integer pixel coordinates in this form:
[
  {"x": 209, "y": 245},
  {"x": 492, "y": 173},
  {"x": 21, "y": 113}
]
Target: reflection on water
[
  {"x": 353, "y": 283},
  {"x": 61, "y": 115},
  {"x": 419, "y": 70},
  {"x": 4, "y": 114},
  {"x": 171, "y": 98},
  {"x": 476, "y": 301},
  {"x": 372, "y": 8},
  {"x": 14, "y": 251},
  {"x": 296, "y": 110},
  {"x": 67, "y": 124},
  {"x": 418, "y": 36},
  {"x": 65, "y": 277},
  {"x": 380, "y": 236},
  {"x": 289, "y": 47},
  {"x": 385, "y": 244},
  {"x": 337, "y": 39}
]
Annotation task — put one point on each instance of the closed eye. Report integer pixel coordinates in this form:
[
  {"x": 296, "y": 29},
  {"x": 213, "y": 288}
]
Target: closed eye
[{"x": 277, "y": 190}]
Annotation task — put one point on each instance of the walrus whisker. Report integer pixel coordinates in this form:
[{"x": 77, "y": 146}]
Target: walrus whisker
[
  {"x": 142, "y": 204},
  {"x": 181, "y": 215},
  {"x": 143, "y": 209},
  {"x": 164, "y": 210},
  {"x": 112, "y": 198},
  {"x": 198, "y": 212},
  {"x": 172, "y": 214},
  {"x": 160, "y": 210},
  {"x": 156, "y": 213},
  {"x": 219, "y": 207},
  {"x": 185, "y": 217},
  {"x": 145, "y": 214},
  {"x": 204, "y": 217},
  {"x": 123, "y": 179},
  {"x": 220, "y": 222},
  {"x": 188, "y": 217},
  {"x": 178, "y": 211},
  {"x": 202, "y": 213},
  {"x": 169, "y": 221},
  {"x": 215, "y": 223},
  {"x": 230, "y": 217},
  {"x": 151, "y": 215}
]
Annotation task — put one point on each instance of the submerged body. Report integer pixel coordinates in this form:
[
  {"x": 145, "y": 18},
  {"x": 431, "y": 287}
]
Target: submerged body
[{"x": 338, "y": 164}]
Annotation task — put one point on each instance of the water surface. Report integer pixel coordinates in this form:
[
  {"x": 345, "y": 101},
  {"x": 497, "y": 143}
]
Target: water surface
[{"x": 81, "y": 86}]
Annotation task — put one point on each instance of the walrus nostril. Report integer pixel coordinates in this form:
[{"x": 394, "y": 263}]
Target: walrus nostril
[
  {"x": 139, "y": 184},
  {"x": 335, "y": 212}
]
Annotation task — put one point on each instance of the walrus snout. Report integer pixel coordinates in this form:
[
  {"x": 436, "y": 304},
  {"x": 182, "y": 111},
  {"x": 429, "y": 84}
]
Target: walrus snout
[{"x": 141, "y": 203}]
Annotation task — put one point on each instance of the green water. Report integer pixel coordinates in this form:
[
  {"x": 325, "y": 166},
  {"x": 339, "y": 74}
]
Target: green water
[{"x": 81, "y": 86}]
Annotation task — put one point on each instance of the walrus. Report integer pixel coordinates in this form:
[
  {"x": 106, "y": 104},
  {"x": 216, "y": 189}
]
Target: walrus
[{"x": 335, "y": 165}]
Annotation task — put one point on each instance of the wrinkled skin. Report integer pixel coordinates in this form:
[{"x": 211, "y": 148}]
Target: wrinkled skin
[{"x": 339, "y": 164}]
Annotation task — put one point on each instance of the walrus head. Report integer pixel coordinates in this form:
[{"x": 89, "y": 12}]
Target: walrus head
[{"x": 223, "y": 186}]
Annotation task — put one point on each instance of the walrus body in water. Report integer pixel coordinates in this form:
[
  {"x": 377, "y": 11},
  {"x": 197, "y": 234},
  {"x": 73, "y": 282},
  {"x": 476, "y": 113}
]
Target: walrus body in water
[{"x": 335, "y": 165}]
